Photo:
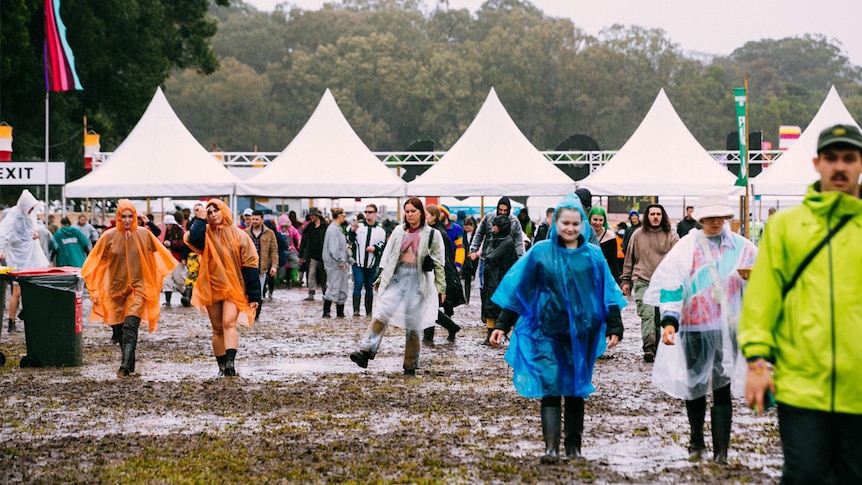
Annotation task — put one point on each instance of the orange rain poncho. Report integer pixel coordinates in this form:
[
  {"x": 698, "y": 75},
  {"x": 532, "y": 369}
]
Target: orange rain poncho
[
  {"x": 124, "y": 273},
  {"x": 227, "y": 250}
]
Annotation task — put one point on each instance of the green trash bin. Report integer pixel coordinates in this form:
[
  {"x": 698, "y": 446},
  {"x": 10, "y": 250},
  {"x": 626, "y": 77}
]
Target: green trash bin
[{"x": 52, "y": 300}]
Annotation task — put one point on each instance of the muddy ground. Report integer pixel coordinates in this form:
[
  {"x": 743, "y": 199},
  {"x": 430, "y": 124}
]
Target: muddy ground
[{"x": 302, "y": 412}]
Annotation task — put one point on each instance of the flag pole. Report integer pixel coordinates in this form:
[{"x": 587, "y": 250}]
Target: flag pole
[
  {"x": 747, "y": 205},
  {"x": 47, "y": 153}
]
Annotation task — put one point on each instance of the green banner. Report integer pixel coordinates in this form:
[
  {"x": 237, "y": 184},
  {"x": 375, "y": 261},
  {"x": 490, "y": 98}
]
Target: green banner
[{"x": 739, "y": 99}]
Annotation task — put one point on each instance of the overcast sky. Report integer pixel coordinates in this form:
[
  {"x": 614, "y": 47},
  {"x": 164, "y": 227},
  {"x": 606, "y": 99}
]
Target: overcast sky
[{"x": 708, "y": 26}]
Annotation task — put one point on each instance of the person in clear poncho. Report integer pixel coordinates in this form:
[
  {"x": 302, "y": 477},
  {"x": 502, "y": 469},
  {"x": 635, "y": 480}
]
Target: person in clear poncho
[
  {"x": 699, "y": 294},
  {"x": 408, "y": 294},
  {"x": 124, "y": 274},
  {"x": 336, "y": 263},
  {"x": 566, "y": 304},
  {"x": 227, "y": 288},
  {"x": 19, "y": 244}
]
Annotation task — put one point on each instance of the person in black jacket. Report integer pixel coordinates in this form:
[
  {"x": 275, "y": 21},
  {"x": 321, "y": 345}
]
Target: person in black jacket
[
  {"x": 500, "y": 255},
  {"x": 454, "y": 291},
  {"x": 311, "y": 252},
  {"x": 688, "y": 223}
]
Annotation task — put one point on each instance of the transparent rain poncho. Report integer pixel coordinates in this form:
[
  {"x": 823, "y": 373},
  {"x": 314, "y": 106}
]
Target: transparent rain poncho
[
  {"x": 562, "y": 296},
  {"x": 16, "y": 235},
  {"x": 697, "y": 283}
]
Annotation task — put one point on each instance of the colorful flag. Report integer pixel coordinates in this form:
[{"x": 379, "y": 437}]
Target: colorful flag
[
  {"x": 740, "y": 99},
  {"x": 60, "y": 72}
]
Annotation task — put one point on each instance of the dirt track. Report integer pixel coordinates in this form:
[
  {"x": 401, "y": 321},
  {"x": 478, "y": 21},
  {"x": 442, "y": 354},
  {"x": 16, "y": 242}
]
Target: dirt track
[{"x": 301, "y": 411}]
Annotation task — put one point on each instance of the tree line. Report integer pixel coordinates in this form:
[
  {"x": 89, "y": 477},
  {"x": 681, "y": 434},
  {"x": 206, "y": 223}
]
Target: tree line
[{"x": 241, "y": 79}]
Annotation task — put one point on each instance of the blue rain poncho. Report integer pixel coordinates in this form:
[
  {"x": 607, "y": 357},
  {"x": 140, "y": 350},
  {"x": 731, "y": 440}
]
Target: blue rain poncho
[
  {"x": 563, "y": 298},
  {"x": 697, "y": 283}
]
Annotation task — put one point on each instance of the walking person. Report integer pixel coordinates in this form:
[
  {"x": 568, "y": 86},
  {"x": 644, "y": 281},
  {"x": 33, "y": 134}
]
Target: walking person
[
  {"x": 485, "y": 228},
  {"x": 648, "y": 245},
  {"x": 699, "y": 293},
  {"x": 266, "y": 247},
  {"x": 192, "y": 259},
  {"x": 90, "y": 232},
  {"x": 544, "y": 226},
  {"x": 468, "y": 269},
  {"x": 634, "y": 224},
  {"x": 336, "y": 261},
  {"x": 369, "y": 241},
  {"x": 124, "y": 274},
  {"x": 72, "y": 245},
  {"x": 173, "y": 241},
  {"x": 227, "y": 289},
  {"x": 411, "y": 283},
  {"x": 567, "y": 307},
  {"x": 802, "y": 316},
  {"x": 607, "y": 239},
  {"x": 19, "y": 245},
  {"x": 311, "y": 252},
  {"x": 500, "y": 255},
  {"x": 454, "y": 291},
  {"x": 687, "y": 223}
]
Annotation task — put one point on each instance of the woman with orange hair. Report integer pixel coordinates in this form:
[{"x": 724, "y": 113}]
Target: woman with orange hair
[
  {"x": 228, "y": 286},
  {"x": 124, "y": 274}
]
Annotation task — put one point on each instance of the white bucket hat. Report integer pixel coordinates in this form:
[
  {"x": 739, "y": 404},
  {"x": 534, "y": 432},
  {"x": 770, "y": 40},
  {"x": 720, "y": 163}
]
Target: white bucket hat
[
  {"x": 713, "y": 203},
  {"x": 169, "y": 219}
]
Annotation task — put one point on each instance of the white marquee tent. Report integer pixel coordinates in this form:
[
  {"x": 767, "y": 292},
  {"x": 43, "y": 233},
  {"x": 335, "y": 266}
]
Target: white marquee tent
[
  {"x": 159, "y": 158},
  {"x": 325, "y": 159},
  {"x": 794, "y": 171},
  {"x": 661, "y": 158},
  {"x": 492, "y": 157}
]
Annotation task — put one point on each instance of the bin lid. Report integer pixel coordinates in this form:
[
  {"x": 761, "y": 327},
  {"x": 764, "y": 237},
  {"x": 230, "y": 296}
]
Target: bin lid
[
  {"x": 6, "y": 270},
  {"x": 60, "y": 270}
]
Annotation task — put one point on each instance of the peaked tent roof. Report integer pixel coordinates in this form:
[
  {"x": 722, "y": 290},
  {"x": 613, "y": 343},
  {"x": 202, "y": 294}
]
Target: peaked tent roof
[
  {"x": 794, "y": 171},
  {"x": 325, "y": 159},
  {"x": 492, "y": 157},
  {"x": 159, "y": 158},
  {"x": 661, "y": 158}
]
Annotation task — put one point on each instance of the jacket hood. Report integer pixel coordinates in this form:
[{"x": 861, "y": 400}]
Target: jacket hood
[
  {"x": 26, "y": 202},
  {"x": 227, "y": 218},
  {"x": 122, "y": 206},
  {"x": 505, "y": 225},
  {"x": 506, "y": 202}
]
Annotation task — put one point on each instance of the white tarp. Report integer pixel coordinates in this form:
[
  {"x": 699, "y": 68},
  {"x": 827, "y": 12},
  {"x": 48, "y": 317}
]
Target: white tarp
[
  {"x": 661, "y": 158},
  {"x": 794, "y": 170},
  {"x": 325, "y": 159},
  {"x": 159, "y": 158},
  {"x": 492, "y": 157}
]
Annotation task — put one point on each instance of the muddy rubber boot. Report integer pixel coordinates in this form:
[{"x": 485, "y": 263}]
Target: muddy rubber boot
[
  {"x": 487, "y": 340},
  {"x": 117, "y": 335},
  {"x": 360, "y": 358},
  {"x": 721, "y": 419},
  {"x": 444, "y": 321},
  {"x": 130, "y": 343},
  {"x": 11, "y": 326},
  {"x": 356, "y": 300},
  {"x": 128, "y": 358},
  {"x": 696, "y": 411},
  {"x": 257, "y": 311},
  {"x": 220, "y": 359},
  {"x": 551, "y": 434},
  {"x": 229, "y": 357},
  {"x": 339, "y": 310},
  {"x": 428, "y": 335},
  {"x": 369, "y": 302},
  {"x": 186, "y": 299},
  {"x": 327, "y": 308},
  {"x": 574, "y": 426},
  {"x": 310, "y": 296},
  {"x": 168, "y": 296}
]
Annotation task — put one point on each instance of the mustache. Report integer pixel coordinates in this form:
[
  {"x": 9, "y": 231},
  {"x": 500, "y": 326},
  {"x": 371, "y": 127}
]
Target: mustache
[{"x": 839, "y": 177}]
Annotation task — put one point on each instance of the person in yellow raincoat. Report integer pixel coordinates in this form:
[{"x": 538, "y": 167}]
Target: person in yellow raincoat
[
  {"x": 124, "y": 274},
  {"x": 228, "y": 288}
]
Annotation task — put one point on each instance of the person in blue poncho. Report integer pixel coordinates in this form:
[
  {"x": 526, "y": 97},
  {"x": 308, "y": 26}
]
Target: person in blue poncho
[{"x": 567, "y": 307}]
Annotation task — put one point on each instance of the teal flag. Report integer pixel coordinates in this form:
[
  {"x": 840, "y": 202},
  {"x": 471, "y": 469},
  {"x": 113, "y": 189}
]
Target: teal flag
[{"x": 739, "y": 99}]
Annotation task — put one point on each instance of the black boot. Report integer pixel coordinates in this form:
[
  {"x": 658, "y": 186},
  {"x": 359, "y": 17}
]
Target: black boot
[
  {"x": 229, "y": 357},
  {"x": 117, "y": 335},
  {"x": 360, "y": 358},
  {"x": 186, "y": 299},
  {"x": 488, "y": 337},
  {"x": 310, "y": 296},
  {"x": 356, "y": 301},
  {"x": 130, "y": 342},
  {"x": 696, "y": 410},
  {"x": 721, "y": 419},
  {"x": 574, "y": 426},
  {"x": 551, "y": 433},
  {"x": 168, "y": 296},
  {"x": 257, "y": 311},
  {"x": 128, "y": 357},
  {"x": 327, "y": 308},
  {"x": 12, "y": 325},
  {"x": 369, "y": 302},
  {"x": 444, "y": 321},
  {"x": 221, "y": 359},
  {"x": 339, "y": 310},
  {"x": 428, "y": 335}
]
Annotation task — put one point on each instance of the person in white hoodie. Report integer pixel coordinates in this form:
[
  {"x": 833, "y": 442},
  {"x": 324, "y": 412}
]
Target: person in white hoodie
[{"x": 19, "y": 244}]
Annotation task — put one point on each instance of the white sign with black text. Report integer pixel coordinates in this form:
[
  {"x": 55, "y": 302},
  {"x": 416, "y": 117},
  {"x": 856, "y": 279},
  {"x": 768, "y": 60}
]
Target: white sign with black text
[{"x": 32, "y": 173}]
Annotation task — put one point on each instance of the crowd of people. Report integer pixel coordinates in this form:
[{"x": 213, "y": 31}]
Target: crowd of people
[{"x": 773, "y": 318}]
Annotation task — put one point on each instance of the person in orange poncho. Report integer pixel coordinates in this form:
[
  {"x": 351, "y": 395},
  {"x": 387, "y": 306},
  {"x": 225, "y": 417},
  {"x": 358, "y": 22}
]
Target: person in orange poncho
[
  {"x": 228, "y": 287},
  {"x": 124, "y": 274}
]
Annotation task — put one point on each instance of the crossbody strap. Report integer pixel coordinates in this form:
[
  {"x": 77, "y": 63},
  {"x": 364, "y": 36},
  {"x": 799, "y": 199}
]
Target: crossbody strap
[{"x": 805, "y": 262}]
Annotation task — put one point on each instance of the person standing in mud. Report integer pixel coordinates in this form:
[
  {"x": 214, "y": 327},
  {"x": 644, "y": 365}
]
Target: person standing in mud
[
  {"x": 124, "y": 274},
  {"x": 311, "y": 252},
  {"x": 454, "y": 292},
  {"x": 369, "y": 239},
  {"x": 336, "y": 261},
  {"x": 699, "y": 293},
  {"x": 500, "y": 255},
  {"x": 565, "y": 307},
  {"x": 192, "y": 261},
  {"x": 228, "y": 286},
  {"x": 412, "y": 280}
]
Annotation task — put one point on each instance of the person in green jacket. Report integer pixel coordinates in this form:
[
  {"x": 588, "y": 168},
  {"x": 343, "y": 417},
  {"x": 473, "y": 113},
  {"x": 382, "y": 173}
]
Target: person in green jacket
[
  {"x": 801, "y": 325},
  {"x": 72, "y": 245}
]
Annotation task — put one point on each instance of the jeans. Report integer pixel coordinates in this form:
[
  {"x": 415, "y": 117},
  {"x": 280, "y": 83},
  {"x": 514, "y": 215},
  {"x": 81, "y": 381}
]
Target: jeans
[{"x": 363, "y": 278}]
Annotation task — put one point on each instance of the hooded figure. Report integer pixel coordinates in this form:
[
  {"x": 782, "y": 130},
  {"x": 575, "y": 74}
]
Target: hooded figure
[
  {"x": 563, "y": 303},
  {"x": 124, "y": 274},
  {"x": 485, "y": 228},
  {"x": 500, "y": 255}
]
